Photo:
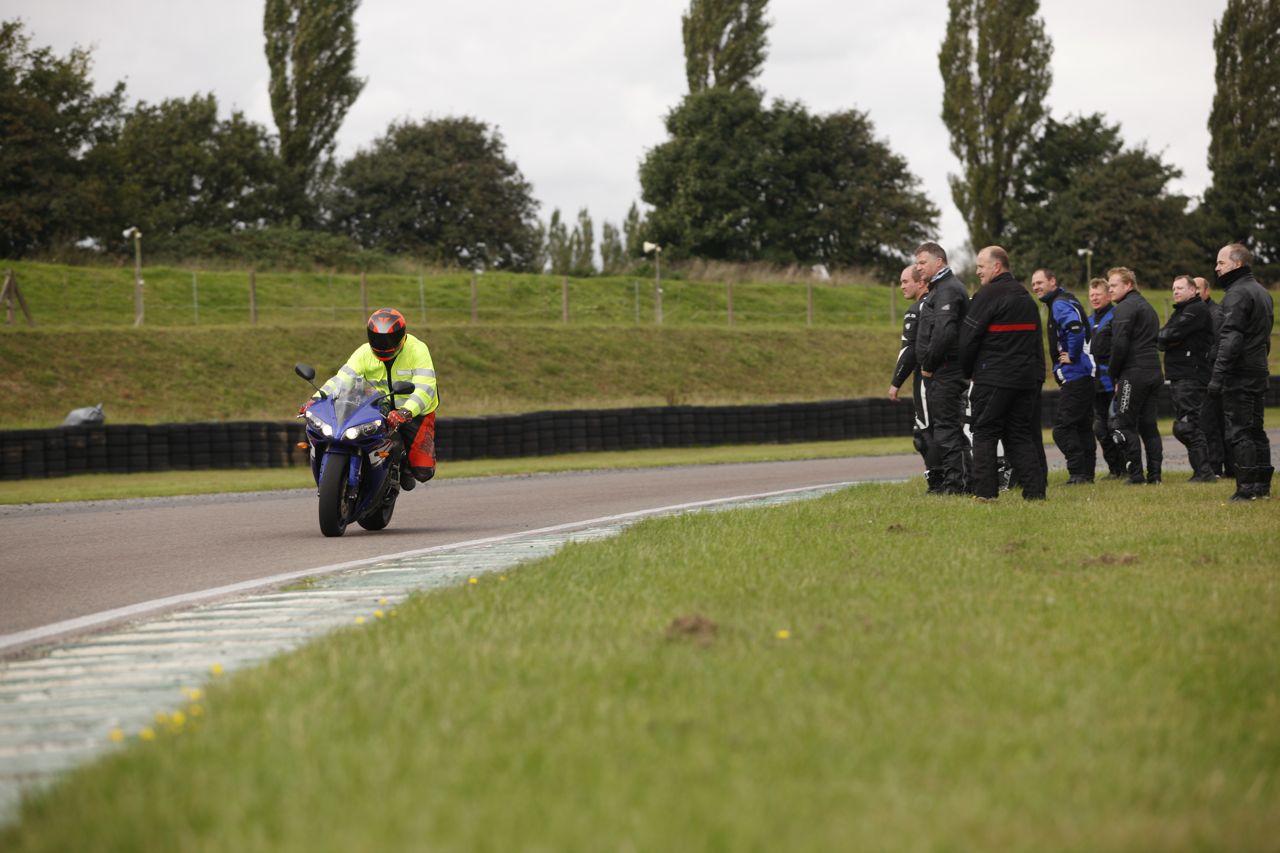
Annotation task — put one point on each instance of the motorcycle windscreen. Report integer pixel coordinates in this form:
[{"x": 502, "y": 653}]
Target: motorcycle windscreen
[{"x": 350, "y": 397}]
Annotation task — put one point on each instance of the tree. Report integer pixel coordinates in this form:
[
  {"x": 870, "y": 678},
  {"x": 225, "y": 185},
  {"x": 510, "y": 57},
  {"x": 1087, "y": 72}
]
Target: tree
[
  {"x": 311, "y": 51},
  {"x": 559, "y": 245},
  {"x": 613, "y": 254},
  {"x": 584, "y": 245},
  {"x": 52, "y": 190},
  {"x": 441, "y": 189},
  {"x": 724, "y": 43},
  {"x": 995, "y": 70},
  {"x": 1244, "y": 148},
  {"x": 1084, "y": 190},
  {"x": 633, "y": 229},
  {"x": 181, "y": 167},
  {"x": 738, "y": 182}
]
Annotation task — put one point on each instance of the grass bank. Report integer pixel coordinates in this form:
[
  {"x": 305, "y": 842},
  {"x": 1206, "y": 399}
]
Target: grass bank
[
  {"x": 246, "y": 372},
  {"x": 870, "y": 670}
]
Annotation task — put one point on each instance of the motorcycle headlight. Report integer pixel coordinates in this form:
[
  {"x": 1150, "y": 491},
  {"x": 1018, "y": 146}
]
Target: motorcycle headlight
[
  {"x": 363, "y": 430},
  {"x": 319, "y": 423}
]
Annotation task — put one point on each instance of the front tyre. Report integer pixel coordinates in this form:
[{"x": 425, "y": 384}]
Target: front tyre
[
  {"x": 333, "y": 496},
  {"x": 381, "y": 517}
]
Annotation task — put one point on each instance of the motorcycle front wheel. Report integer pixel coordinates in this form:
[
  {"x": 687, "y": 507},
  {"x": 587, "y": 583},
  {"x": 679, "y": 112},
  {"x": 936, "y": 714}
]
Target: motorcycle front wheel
[
  {"x": 333, "y": 496},
  {"x": 380, "y": 517}
]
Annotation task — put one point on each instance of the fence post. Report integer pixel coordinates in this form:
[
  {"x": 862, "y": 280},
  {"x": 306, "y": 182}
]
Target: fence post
[
  {"x": 364, "y": 293},
  {"x": 475, "y": 300},
  {"x": 635, "y": 285},
  {"x": 564, "y": 299},
  {"x": 195, "y": 298},
  {"x": 809, "y": 315},
  {"x": 9, "y": 294},
  {"x": 422, "y": 298},
  {"x": 139, "y": 303},
  {"x": 893, "y": 303},
  {"x": 253, "y": 297},
  {"x": 729, "y": 289}
]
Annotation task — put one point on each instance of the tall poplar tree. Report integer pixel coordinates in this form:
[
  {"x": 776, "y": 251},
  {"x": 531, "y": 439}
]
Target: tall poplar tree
[
  {"x": 311, "y": 51},
  {"x": 995, "y": 71},
  {"x": 1244, "y": 145},
  {"x": 724, "y": 43}
]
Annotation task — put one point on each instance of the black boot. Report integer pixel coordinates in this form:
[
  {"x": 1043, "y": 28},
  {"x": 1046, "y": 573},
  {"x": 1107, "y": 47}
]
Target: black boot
[
  {"x": 1153, "y": 471},
  {"x": 1262, "y": 482},
  {"x": 406, "y": 480},
  {"x": 1244, "y": 485},
  {"x": 1202, "y": 471},
  {"x": 1135, "y": 474}
]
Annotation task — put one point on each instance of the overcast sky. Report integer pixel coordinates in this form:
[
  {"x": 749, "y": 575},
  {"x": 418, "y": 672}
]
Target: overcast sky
[{"x": 579, "y": 88}]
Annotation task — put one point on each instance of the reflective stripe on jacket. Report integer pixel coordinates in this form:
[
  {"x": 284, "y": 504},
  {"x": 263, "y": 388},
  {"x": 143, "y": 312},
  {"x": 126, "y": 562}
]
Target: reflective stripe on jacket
[{"x": 411, "y": 364}]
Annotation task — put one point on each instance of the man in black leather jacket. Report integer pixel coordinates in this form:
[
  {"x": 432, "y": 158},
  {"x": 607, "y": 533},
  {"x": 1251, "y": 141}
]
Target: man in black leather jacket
[
  {"x": 937, "y": 349},
  {"x": 915, "y": 288},
  {"x": 1186, "y": 340},
  {"x": 1002, "y": 351},
  {"x": 1135, "y": 370},
  {"x": 1211, "y": 420},
  {"x": 1240, "y": 372}
]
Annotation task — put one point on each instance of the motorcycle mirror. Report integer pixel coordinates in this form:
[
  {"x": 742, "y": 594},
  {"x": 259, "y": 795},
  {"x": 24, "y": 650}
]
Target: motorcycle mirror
[
  {"x": 402, "y": 388},
  {"x": 306, "y": 371}
]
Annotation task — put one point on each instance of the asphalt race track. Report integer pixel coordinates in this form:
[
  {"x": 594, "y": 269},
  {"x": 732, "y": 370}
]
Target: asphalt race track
[{"x": 62, "y": 561}]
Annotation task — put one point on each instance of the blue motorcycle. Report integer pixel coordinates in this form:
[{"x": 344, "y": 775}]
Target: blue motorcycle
[{"x": 355, "y": 458}]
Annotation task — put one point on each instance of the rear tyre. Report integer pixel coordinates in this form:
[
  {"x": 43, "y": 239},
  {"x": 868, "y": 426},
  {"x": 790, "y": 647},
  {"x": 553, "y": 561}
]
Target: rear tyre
[
  {"x": 333, "y": 496},
  {"x": 381, "y": 517}
]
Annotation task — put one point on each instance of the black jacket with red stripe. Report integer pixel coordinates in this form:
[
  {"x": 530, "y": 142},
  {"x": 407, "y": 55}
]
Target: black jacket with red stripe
[{"x": 1001, "y": 342}]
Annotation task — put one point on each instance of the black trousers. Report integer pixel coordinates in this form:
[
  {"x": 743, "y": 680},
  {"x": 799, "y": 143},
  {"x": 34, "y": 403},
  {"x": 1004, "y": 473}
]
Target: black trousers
[
  {"x": 1073, "y": 427},
  {"x": 1214, "y": 426},
  {"x": 920, "y": 430},
  {"x": 1008, "y": 415},
  {"x": 1243, "y": 410},
  {"x": 946, "y": 395},
  {"x": 1102, "y": 432},
  {"x": 1134, "y": 427},
  {"x": 1188, "y": 399}
]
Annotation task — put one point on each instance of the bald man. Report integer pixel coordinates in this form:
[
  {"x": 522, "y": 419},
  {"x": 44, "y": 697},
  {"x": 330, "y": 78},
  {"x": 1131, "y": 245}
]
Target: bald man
[{"x": 1002, "y": 352}]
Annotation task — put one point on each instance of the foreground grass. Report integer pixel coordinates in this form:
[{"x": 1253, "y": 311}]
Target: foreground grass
[
  {"x": 96, "y": 487},
  {"x": 1098, "y": 672}
]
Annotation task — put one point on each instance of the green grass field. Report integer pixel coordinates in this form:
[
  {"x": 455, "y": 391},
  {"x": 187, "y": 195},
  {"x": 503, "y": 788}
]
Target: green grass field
[{"x": 871, "y": 670}]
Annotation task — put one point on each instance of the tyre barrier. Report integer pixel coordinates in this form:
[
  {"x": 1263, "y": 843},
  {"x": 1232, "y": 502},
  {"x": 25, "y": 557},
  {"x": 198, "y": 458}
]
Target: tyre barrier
[{"x": 130, "y": 448}]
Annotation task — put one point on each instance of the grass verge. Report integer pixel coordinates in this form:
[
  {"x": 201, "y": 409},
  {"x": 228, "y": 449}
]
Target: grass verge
[
  {"x": 94, "y": 487},
  {"x": 874, "y": 669}
]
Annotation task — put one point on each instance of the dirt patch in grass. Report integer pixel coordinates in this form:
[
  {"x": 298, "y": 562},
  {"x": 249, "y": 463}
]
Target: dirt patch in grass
[
  {"x": 1112, "y": 560},
  {"x": 695, "y": 628}
]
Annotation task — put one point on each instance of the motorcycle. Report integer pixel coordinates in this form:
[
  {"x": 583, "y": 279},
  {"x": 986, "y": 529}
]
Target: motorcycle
[{"x": 355, "y": 457}]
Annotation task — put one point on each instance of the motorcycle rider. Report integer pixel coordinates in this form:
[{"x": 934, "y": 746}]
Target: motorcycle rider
[
  {"x": 1135, "y": 370},
  {"x": 1240, "y": 371},
  {"x": 1068, "y": 332},
  {"x": 393, "y": 355},
  {"x": 1100, "y": 352},
  {"x": 937, "y": 348},
  {"x": 914, "y": 287},
  {"x": 1186, "y": 340}
]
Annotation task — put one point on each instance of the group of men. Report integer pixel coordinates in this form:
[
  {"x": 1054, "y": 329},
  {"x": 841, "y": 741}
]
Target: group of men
[{"x": 980, "y": 363}]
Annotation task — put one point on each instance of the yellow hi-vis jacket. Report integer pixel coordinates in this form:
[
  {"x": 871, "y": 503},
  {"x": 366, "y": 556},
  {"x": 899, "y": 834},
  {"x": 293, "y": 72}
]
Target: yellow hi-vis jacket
[{"x": 411, "y": 364}]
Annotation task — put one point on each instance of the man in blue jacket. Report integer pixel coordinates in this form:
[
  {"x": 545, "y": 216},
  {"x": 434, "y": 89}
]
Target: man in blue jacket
[
  {"x": 1105, "y": 389},
  {"x": 1068, "y": 333}
]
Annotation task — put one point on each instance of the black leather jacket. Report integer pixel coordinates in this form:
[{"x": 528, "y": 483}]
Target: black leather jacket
[
  {"x": 907, "y": 362},
  {"x": 1186, "y": 340},
  {"x": 1002, "y": 343},
  {"x": 1245, "y": 339},
  {"x": 1134, "y": 327},
  {"x": 938, "y": 331}
]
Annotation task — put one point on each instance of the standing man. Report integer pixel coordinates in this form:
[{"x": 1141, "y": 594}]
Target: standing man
[
  {"x": 1100, "y": 352},
  {"x": 1135, "y": 370},
  {"x": 1240, "y": 372},
  {"x": 1068, "y": 332},
  {"x": 1186, "y": 340},
  {"x": 1211, "y": 421},
  {"x": 914, "y": 289},
  {"x": 937, "y": 348},
  {"x": 1002, "y": 351}
]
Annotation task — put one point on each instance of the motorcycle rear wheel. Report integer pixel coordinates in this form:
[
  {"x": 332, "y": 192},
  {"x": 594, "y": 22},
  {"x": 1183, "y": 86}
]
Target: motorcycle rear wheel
[
  {"x": 333, "y": 496},
  {"x": 380, "y": 517}
]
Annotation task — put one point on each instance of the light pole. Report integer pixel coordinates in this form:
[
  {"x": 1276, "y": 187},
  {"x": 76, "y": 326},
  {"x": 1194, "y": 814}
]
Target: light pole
[
  {"x": 138, "y": 305},
  {"x": 1087, "y": 254},
  {"x": 657, "y": 279}
]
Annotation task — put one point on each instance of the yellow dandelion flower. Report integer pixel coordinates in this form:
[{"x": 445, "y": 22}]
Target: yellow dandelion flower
[
  {"x": 359, "y": 620},
  {"x": 473, "y": 581},
  {"x": 216, "y": 669},
  {"x": 378, "y": 614},
  {"x": 783, "y": 634},
  {"x": 116, "y": 735},
  {"x": 147, "y": 733}
]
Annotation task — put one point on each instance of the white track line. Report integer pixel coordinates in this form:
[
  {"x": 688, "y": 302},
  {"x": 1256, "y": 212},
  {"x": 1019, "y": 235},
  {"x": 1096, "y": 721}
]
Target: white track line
[{"x": 93, "y": 619}]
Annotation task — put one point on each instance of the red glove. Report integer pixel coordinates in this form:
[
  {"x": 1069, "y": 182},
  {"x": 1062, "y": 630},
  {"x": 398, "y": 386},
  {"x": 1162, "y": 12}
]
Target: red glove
[{"x": 398, "y": 417}]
